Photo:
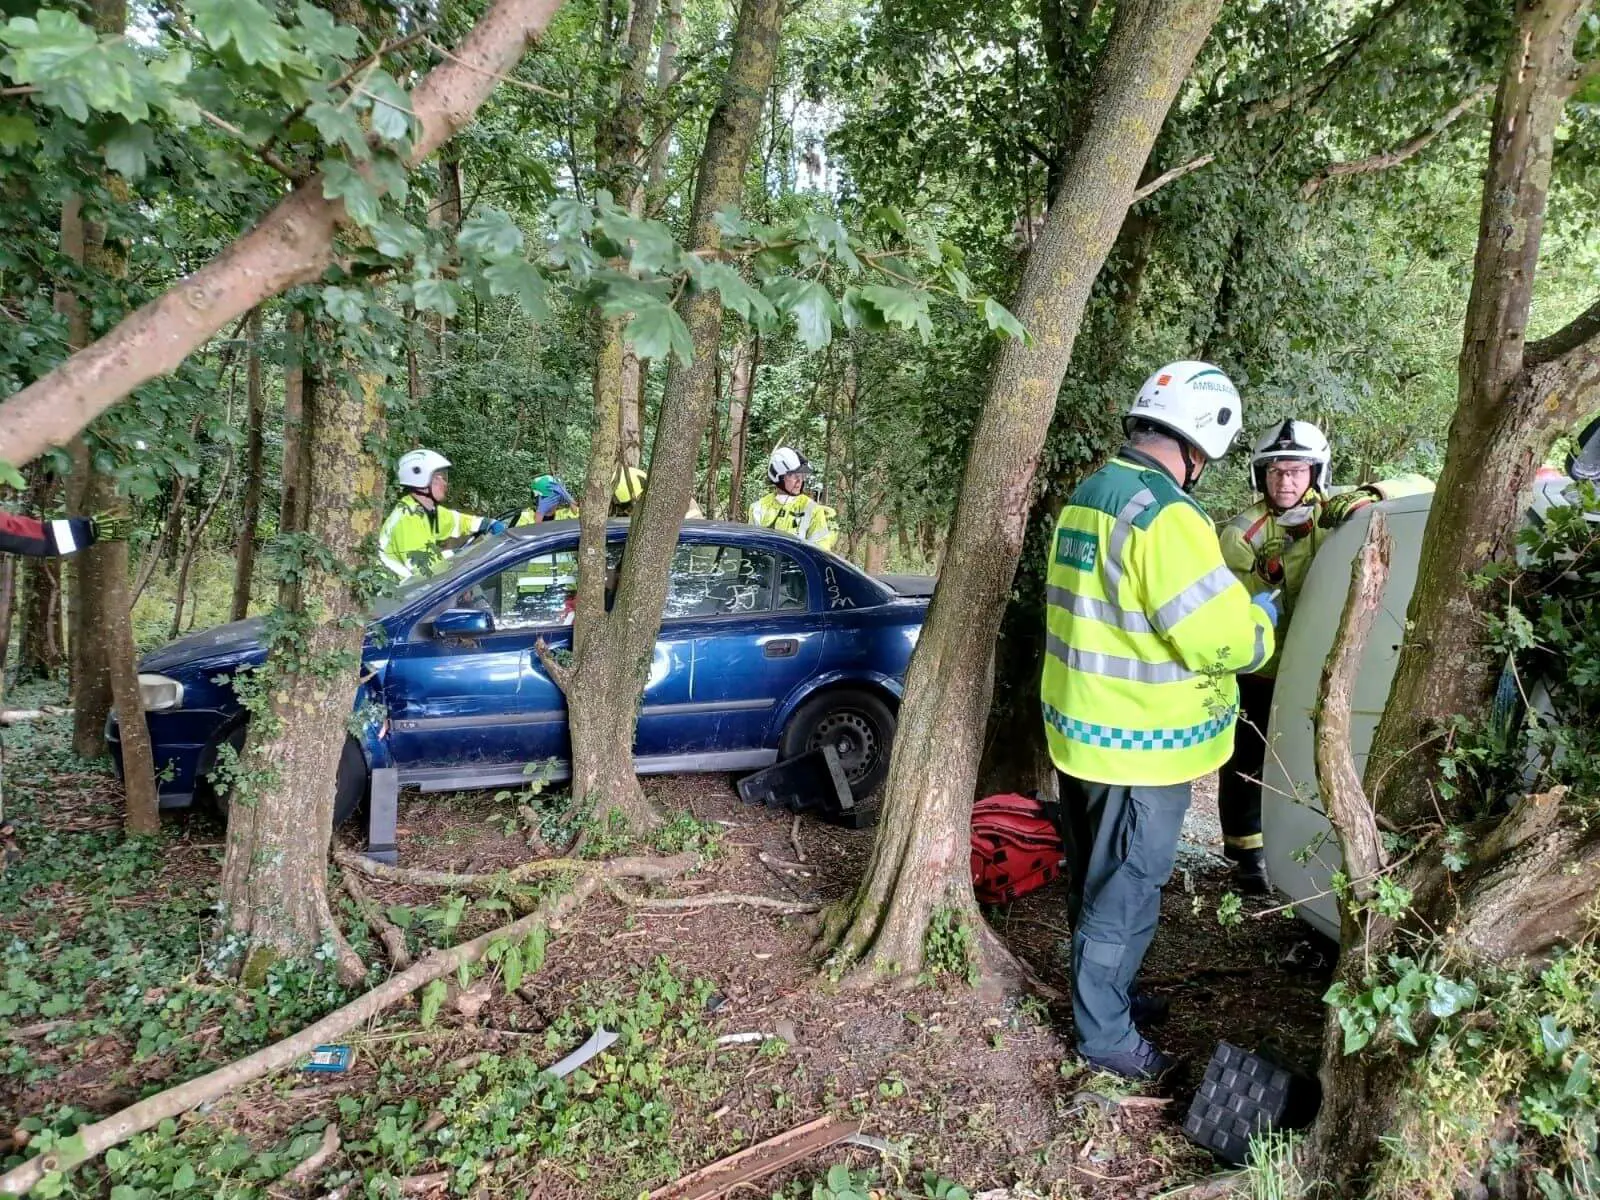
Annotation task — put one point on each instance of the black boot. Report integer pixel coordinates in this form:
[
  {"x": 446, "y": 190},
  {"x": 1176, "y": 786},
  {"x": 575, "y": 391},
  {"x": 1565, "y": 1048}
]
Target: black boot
[{"x": 1250, "y": 873}]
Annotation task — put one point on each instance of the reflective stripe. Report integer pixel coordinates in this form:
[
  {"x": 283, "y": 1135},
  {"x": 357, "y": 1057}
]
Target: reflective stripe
[
  {"x": 1113, "y": 666},
  {"x": 1207, "y": 587},
  {"x": 1260, "y": 656},
  {"x": 396, "y": 515},
  {"x": 804, "y": 531},
  {"x": 1250, "y": 841},
  {"x": 1119, "y": 538},
  {"x": 1091, "y": 609},
  {"x": 1110, "y": 737}
]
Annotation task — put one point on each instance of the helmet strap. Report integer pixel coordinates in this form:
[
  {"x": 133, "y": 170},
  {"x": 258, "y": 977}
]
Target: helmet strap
[{"x": 1191, "y": 473}]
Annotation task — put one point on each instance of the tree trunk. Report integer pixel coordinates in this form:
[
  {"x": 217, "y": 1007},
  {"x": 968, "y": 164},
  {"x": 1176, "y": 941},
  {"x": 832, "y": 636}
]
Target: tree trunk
[
  {"x": 714, "y": 450},
  {"x": 878, "y": 544},
  {"x": 613, "y": 652},
  {"x": 666, "y": 63},
  {"x": 919, "y": 871},
  {"x": 746, "y": 356},
  {"x": 1513, "y": 400},
  {"x": 631, "y": 411},
  {"x": 250, "y": 510},
  {"x": 274, "y": 875},
  {"x": 292, "y": 482},
  {"x": 8, "y": 598}
]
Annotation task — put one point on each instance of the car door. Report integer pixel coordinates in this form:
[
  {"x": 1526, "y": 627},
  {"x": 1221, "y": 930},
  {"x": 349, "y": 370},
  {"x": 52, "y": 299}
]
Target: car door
[
  {"x": 467, "y": 711},
  {"x": 748, "y": 609}
]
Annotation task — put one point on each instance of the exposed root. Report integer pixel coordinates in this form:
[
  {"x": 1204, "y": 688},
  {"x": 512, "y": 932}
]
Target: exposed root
[
  {"x": 711, "y": 899},
  {"x": 394, "y": 941},
  {"x": 316, "y": 1160},
  {"x": 450, "y": 879}
]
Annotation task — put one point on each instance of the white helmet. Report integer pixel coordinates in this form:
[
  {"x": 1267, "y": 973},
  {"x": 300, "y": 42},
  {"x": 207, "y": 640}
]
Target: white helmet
[
  {"x": 1296, "y": 441},
  {"x": 785, "y": 461},
  {"x": 417, "y": 468},
  {"x": 1193, "y": 401}
]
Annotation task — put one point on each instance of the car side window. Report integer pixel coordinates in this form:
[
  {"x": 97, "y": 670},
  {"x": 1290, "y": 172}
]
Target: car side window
[
  {"x": 792, "y": 589},
  {"x": 709, "y": 580},
  {"x": 539, "y": 591}
]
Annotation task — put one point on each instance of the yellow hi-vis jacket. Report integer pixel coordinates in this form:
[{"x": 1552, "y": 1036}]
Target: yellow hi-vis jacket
[
  {"x": 410, "y": 540},
  {"x": 806, "y": 518},
  {"x": 1145, "y": 629},
  {"x": 1258, "y": 526}
]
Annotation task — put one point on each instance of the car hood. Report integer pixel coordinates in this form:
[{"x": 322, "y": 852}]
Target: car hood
[{"x": 238, "y": 638}]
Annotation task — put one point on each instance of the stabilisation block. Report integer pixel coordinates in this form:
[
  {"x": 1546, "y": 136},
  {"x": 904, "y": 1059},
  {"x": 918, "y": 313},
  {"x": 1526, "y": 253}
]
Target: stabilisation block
[{"x": 1243, "y": 1094}]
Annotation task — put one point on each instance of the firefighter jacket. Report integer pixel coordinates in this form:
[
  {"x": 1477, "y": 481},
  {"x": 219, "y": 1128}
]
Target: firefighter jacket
[
  {"x": 1145, "y": 629},
  {"x": 410, "y": 541},
  {"x": 1265, "y": 554},
  {"x": 806, "y": 518}
]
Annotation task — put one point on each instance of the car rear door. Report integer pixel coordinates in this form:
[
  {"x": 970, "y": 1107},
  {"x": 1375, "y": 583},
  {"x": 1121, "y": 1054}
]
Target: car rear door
[{"x": 748, "y": 609}]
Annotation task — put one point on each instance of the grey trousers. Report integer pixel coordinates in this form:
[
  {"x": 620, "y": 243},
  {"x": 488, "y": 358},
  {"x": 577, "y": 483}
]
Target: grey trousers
[{"x": 1121, "y": 842}]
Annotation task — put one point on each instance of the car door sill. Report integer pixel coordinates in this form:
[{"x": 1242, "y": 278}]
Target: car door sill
[{"x": 472, "y": 778}]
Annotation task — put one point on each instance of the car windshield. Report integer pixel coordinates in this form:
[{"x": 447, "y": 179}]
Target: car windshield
[{"x": 409, "y": 589}]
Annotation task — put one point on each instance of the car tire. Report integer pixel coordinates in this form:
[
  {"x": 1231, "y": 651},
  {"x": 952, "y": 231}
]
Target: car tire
[
  {"x": 350, "y": 787},
  {"x": 860, "y": 727}
]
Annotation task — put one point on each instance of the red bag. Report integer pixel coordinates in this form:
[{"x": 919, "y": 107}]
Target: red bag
[{"x": 1016, "y": 848}]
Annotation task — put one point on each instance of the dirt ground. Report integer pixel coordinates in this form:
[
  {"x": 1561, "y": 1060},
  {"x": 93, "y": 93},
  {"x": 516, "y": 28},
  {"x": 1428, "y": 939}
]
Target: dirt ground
[{"x": 985, "y": 1093}]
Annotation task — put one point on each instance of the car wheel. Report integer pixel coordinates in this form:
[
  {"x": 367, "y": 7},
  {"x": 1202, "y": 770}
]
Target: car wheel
[
  {"x": 858, "y": 725},
  {"x": 350, "y": 787}
]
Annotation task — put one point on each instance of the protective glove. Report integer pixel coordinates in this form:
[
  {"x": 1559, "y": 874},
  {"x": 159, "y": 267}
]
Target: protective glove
[
  {"x": 1267, "y": 603},
  {"x": 1336, "y": 510},
  {"x": 110, "y": 527},
  {"x": 497, "y": 527},
  {"x": 1269, "y": 560},
  {"x": 548, "y": 505}
]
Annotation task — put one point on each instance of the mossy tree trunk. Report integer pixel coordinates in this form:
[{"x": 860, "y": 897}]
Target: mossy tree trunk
[
  {"x": 613, "y": 651},
  {"x": 920, "y": 867},
  {"x": 244, "y": 554},
  {"x": 274, "y": 900}
]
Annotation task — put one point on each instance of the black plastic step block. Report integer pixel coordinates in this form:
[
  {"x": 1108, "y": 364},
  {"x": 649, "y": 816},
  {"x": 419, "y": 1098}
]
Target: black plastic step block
[{"x": 1243, "y": 1094}]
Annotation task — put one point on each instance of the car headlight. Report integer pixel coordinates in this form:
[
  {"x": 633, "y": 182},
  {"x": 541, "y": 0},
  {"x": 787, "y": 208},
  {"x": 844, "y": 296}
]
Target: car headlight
[{"x": 157, "y": 693}]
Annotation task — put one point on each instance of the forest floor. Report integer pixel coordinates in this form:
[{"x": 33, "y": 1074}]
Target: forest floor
[{"x": 105, "y": 996}]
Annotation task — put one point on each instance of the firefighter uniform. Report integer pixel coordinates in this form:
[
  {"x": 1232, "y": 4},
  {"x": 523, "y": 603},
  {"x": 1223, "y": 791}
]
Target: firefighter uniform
[
  {"x": 410, "y": 541},
  {"x": 1265, "y": 554},
  {"x": 808, "y": 519},
  {"x": 1146, "y": 629}
]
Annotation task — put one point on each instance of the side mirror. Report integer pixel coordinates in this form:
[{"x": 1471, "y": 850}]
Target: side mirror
[{"x": 462, "y": 623}]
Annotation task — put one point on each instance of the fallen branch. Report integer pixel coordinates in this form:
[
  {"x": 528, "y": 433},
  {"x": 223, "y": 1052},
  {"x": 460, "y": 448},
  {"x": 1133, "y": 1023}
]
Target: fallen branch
[
  {"x": 20, "y": 716},
  {"x": 1166, "y": 177},
  {"x": 317, "y": 1159},
  {"x": 794, "y": 840},
  {"x": 418, "y": 877},
  {"x": 1338, "y": 782},
  {"x": 763, "y": 1158},
  {"x": 394, "y": 942},
  {"x": 93, "y": 1140},
  {"x": 711, "y": 899},
  {"x": 1406, "y": 150}
]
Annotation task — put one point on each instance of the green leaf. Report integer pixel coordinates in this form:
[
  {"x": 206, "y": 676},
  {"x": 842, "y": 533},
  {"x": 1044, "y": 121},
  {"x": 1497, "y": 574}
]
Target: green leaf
[
  {"x": 1578, "y": 1078},
  {"x": 322, "y": 36},
  {"x": 1553, "y": 1037},
  {"x": 17, "y": 132},
  {"x": 341, "y": 181},
  {"x": 838, "y": 1177},
  {"x": 831, "y": 237},
  {"x": 401, "y": 915},
  {"x": 1401, "y": 1019},
  {"x": 173, "y": 69},
  {"x": 76, "y": 71},
  {"x": 858, "y": 314},
  {"x": 890, "y": 218},
  {"x": 520, "y": 278},
  {"x": 394, "y": 237},
  {"x": 571, "y": 218},
  {"x": 1448, "y": 997},
  {"x": 958, "y": 279},
  {"x": 907, "y": 309},
  {"x": 391, "y": 108},
  {"x": 809, "y": 303},
  {"x": 11, "y": 477},
  {"x": 337, "y": 126},
  {"x": 656, "y": 330},
  {"x": 490, "y": 232},
  {"x": 246, "y": 25},
  {"x": 128, "y": 151},
  {"x": 183, "y": 1178},
  {"x": 432, "y": 294},
  {"x": 999, "y": 318},
  {"x": 533, "y": 948},
  {"x": 730, "y": 224},
  {"x": 432, "y": 1001},
  {"x": 345, "y": 304},
  {"x": 737, "y": 294},
  {"x": 650, "y": 245},
  {"x": 513, "y": 969}
]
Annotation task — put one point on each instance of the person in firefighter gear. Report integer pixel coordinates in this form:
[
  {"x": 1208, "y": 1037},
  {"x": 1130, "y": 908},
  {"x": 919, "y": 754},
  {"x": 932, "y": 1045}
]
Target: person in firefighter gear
[
  {"x": 628, "y": 488},
  {"x": 787, "y": 508},
  {"x": 60, "y": 536},
  {"x": 551, "y": 502},
  {"x": 1269, "y": 548},
  {"x": 411, "y": 540},
  {"x": 1145, "y": 630}
]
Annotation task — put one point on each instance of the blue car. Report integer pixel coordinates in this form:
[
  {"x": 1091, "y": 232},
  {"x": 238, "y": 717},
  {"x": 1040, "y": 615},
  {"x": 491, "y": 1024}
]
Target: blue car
[{"x": 768, "y": 647}]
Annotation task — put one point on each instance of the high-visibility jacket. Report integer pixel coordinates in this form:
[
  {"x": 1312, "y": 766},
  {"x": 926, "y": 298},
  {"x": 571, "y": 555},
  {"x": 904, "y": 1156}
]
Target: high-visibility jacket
[
  {"x": 1243, "y": 537},
  {"x": 806, "y": 518},
  {"x": 410, "y": 540},
  {"x": 1145, "y": 629},
  {"x": 530, "y": 516}
]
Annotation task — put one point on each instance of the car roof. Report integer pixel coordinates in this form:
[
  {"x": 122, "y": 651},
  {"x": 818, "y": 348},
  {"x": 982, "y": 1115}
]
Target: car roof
[{"x": 524, "y": 531}]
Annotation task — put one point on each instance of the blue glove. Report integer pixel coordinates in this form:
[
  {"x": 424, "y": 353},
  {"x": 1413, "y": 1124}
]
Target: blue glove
[
  {"x": 497, "y": 527},
  {"x": 548, "y": 505},
  {"x": 1265, "y": 602}
]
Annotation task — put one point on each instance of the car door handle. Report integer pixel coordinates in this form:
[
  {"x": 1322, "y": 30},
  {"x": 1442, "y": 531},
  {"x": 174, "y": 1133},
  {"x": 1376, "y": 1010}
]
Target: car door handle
[{"x": 781, "y": 648}]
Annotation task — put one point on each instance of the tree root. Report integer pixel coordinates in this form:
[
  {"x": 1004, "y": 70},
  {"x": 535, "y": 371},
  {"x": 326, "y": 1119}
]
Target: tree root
[
  {"x": 711, "y": 899},
  {"x": 93, "y": 1140},
  {"x": 451, "y": 879},
  {"x": 394, "y": 941},
  {"x": 316, "y": 1160}
]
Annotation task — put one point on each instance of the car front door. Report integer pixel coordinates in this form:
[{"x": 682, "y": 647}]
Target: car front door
[{"x": 748, "y": 611}]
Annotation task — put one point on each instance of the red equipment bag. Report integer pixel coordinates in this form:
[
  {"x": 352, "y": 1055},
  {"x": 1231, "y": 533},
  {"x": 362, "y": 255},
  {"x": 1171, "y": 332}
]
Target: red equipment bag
[{"x": 1016, "y": 847}]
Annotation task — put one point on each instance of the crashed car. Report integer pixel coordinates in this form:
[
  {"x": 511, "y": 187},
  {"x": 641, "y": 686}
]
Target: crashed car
[
  {"x": 1301, "y": 850},
  {"x": 769, "y": 647}
]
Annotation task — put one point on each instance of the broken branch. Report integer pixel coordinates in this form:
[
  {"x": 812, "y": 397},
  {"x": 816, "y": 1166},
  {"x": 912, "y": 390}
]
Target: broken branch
[
  {"x": 1166, "y": 177},
  {"x": 1339, "y": 784},
  {"x": 712, "y": 899},
  {"x": 93, "y": 1140},
  {"x": 451, "y": 879},
  {"x": 1406, "y": 150},
  {"x": 394, "y": 942}
]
